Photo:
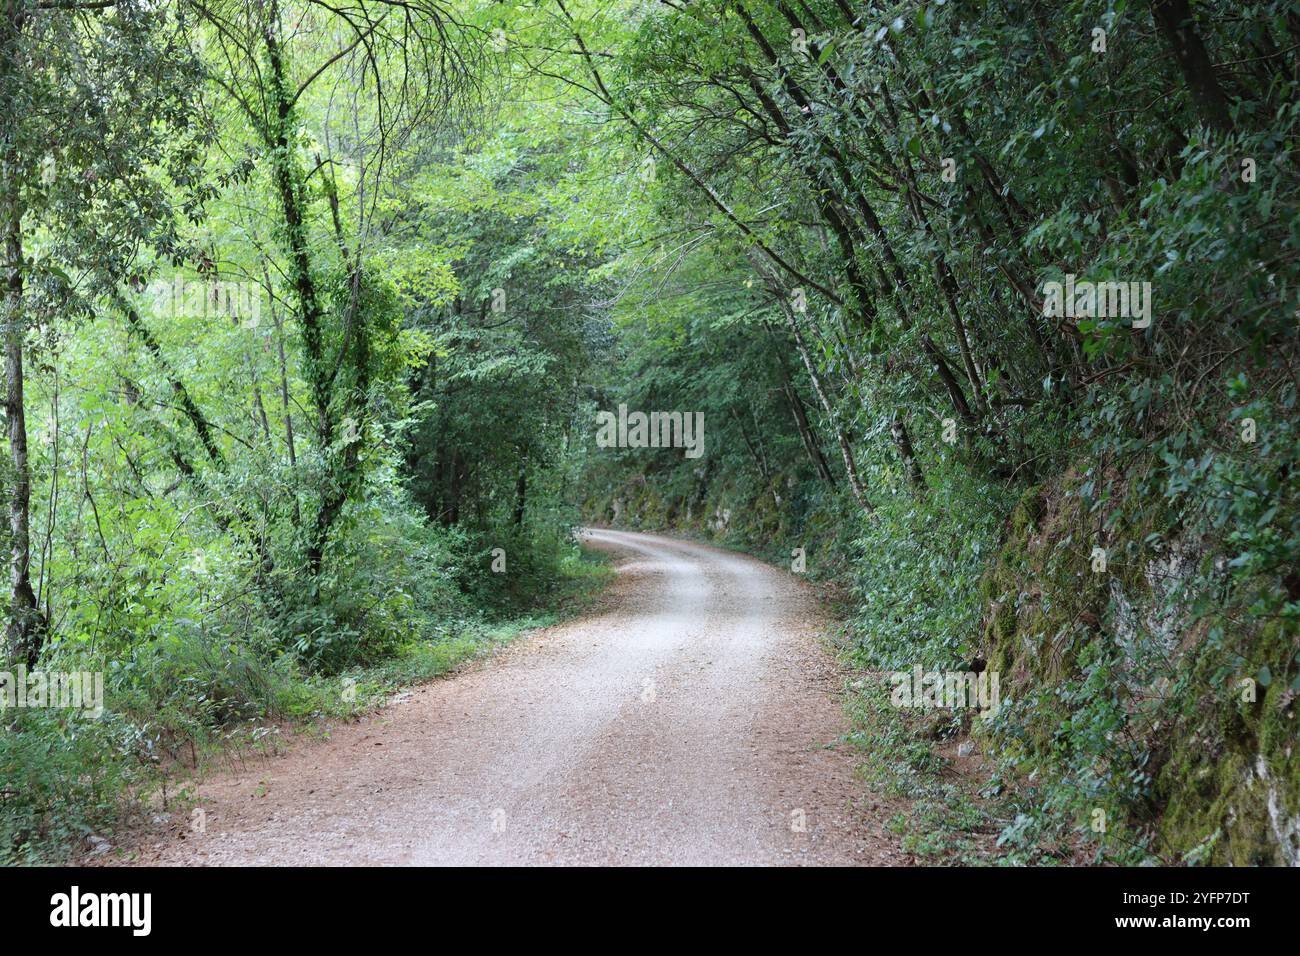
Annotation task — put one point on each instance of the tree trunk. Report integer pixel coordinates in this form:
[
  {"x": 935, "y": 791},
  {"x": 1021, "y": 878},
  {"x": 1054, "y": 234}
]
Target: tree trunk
[
  {"x": 289, "y": 187},
  {"x": 285, "y": 408},
  {"x": 1176, "y": 24},
  {"x": 521, "y": 494},
  {"x": 905, "y": 450},
  {"x": 25, "y": 631},
  {"x": 800, "y": 413},
  {"x": 846, "y": 450}
]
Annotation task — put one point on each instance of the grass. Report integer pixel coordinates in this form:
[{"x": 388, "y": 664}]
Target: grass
[{"x": 310, "y": 703}]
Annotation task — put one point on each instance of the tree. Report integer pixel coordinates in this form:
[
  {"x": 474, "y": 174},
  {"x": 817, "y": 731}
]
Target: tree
[{"x": 96, "y": 97}]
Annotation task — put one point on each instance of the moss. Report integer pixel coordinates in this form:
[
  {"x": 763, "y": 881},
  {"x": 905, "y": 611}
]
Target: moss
[
  {"x": 1216, "y": 763},
  {"x": 1231, "y": 787},
  {"x": 1040, "y": 588},
  {"x": 1216, "y": 809},
  {"x": 1027, "y": 512}
]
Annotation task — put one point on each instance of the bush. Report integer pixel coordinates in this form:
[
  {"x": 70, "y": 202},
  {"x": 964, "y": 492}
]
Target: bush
[{"x": 63, "y": 777}]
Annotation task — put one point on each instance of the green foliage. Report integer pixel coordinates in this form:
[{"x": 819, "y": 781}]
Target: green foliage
[
  {"x": 1172, "y": 447},
  {"x": 62, "y": 779},
  {"x": 234, "y": 510}
]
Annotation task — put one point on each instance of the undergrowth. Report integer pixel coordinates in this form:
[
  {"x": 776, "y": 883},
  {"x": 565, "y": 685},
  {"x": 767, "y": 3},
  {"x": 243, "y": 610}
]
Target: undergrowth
[{"x": 200, "y": 698}]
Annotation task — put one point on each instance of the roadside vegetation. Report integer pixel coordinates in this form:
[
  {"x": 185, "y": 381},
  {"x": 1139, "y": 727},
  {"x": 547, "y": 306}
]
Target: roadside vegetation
[
  {"x": 880, "y": 211},
  {"x": 275, "y": 447}
]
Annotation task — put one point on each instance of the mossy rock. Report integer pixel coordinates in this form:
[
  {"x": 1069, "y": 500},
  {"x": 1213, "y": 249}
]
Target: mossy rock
[
  {"x": 1232, "y": 782},
  {"x": 1225, "y": 781}
]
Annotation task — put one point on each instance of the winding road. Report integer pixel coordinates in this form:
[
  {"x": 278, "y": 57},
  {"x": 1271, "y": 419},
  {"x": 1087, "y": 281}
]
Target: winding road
[{"x": 689, "y": 718}]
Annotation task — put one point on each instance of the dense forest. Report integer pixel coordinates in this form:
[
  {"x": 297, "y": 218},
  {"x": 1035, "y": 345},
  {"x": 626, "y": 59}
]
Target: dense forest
[{"x": 983, "y": 313}]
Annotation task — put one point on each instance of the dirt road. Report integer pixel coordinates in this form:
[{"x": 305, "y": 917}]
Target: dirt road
[{"x": 683, "y": 721}]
